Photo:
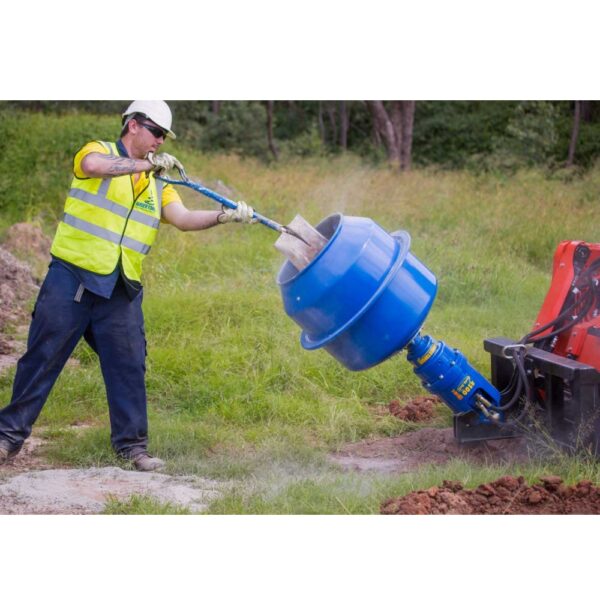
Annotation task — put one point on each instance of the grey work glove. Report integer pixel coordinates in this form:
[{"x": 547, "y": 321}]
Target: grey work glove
[
  {"x": 242, "y": 214},
  {"x": 163, "y": 162}
]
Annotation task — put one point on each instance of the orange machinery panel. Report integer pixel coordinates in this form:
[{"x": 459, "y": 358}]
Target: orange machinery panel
[{"x": 575, "y": 280}]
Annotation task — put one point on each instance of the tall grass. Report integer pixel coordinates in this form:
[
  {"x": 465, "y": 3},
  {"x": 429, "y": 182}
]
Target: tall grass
[{"x": 231, "y": 392}]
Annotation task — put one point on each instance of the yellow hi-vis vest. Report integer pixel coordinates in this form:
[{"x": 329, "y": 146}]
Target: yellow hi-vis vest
[{"x": 104, "y": 221}]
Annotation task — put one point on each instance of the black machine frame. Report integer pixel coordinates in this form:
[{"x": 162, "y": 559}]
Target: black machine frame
[{"x": 571, "y": 399}]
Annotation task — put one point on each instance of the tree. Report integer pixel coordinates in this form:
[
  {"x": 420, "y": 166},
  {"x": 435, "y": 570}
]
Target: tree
[
  {"x": 272, "y": 147},
  {"x": 408, "y": 120},
  {"x": 344, "y": 124},
  {"x": 574, "y": 133},
  {"x": 394, "y": 125}
]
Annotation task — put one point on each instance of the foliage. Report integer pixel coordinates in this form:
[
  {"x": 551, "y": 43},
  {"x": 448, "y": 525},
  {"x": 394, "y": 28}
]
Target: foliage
[
  {"x": 36, "y": 156},
  {"x": 448, "y": 133},
  {"x": 530, "y": 139},
  {"x": 488, "y": 135},
  {"x": 239, "y": 127}
]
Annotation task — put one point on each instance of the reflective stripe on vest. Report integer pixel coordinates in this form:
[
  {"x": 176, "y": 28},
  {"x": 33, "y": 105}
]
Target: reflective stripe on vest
[
  {"x": 101, "y": 201},
  {"x": 105, "y": 234}
]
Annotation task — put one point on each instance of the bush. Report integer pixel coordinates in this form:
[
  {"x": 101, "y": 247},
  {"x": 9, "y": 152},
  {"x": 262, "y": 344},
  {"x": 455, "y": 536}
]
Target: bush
[
  {"x": 239, "y": 127},
  {"x": 448, "y": 134},
  {"x": 36, "y": 155}
]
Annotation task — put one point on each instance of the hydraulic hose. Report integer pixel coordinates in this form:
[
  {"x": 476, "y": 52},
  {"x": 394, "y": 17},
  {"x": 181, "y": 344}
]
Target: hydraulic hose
[{"x": 590, "y": 296}]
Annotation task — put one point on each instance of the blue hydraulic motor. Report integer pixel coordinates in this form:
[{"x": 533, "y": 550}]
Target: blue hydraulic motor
[{"x": 446, "y": 373}]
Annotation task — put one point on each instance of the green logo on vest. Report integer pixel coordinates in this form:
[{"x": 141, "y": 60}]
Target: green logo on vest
[{"x": 147, "y": 204}]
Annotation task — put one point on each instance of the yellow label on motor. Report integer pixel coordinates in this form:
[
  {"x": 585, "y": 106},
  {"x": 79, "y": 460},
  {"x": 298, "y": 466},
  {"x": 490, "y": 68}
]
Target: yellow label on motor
[
  {"x": 423, "y": 359},
  {"x": 465, "y": 386}
]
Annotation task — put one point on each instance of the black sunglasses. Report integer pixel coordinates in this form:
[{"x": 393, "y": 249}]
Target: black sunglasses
[{"x": 155, "y": 131}]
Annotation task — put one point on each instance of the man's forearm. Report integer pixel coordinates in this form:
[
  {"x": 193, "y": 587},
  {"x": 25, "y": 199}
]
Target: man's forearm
[
  {"x": 195, "y": 220},
  {"x": 101, "y": 165}
]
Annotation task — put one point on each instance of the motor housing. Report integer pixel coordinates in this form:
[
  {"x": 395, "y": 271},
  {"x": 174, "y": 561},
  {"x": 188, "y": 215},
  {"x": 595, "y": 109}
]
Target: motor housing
[{"x": 447, "y": 373}]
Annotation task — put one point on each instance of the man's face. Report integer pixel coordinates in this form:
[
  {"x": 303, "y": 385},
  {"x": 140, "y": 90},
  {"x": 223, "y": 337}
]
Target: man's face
[{"x": 148, "y": 136}]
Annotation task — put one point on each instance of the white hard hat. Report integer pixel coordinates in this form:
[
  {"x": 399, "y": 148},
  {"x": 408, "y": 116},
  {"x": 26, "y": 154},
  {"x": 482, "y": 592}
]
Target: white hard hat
[{"x": 156, "y": 110}]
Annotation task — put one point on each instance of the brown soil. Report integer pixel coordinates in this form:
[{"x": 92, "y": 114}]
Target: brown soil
[
  {"x": 412, "y": 450},
  {"x": 17, "y": 286},
  {"x": 507, "y": 495},
  {"x": 19, "y": 282},
  {"x": 28, "y": 458},
  {"x": 27, "y": 240},
  {"x": 417, "y": 410}
]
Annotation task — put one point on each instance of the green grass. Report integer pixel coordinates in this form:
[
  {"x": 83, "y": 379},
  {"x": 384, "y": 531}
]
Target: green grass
[
  {"x": 142, "y": 505},
  {"x": 233, "y": 395},
  {"x": 327, "y": 492}
]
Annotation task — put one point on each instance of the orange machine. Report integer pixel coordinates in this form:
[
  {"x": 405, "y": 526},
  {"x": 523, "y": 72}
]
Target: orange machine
[
  {"x": 572, "y": 305},
  {"x": 550, "y": 379}
]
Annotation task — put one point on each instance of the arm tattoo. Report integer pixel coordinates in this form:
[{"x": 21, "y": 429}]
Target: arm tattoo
[{"x": 120, "y": 165}]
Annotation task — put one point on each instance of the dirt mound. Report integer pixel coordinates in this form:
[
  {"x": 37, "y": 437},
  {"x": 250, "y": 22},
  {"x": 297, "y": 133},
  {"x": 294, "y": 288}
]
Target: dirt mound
[
  {"x": 17, "y": 286},
  {"x": 411, "y": 450},
  {"x": 24, "y": 257},
  {"x": 417, "y": 410},
  {"x": 505, "y": 496},
  {"x": 28, "y": 242}
]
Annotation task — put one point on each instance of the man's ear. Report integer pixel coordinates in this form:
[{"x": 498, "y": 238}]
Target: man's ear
[{"x": 133, "y": 126}]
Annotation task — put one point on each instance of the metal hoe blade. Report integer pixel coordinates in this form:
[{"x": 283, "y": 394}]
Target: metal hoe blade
[{"x": 290, "y": 231}]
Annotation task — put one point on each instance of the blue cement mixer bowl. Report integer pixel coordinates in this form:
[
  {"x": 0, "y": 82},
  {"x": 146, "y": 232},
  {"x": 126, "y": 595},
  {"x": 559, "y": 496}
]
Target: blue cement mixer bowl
[{"x": 363, "y": 297}]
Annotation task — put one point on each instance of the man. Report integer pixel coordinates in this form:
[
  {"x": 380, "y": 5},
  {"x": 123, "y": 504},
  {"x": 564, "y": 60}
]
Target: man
[{"x": 93, "y": 286}]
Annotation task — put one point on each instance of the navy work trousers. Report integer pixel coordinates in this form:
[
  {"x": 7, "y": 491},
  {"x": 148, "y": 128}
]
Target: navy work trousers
[{"x": 113, "y": 327}]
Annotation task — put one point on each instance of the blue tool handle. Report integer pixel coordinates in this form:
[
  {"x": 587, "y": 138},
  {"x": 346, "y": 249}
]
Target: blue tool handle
[{"x": 222, "y": 200}]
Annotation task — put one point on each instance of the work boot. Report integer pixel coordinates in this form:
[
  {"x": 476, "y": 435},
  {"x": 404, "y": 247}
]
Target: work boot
[
  {"x": 145, "y": 462},
  {"x": 6, "y": 453}
]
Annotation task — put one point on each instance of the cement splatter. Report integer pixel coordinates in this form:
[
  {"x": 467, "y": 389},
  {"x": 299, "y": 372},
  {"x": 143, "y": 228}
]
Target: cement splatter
[{"x": 86, "y": 491}]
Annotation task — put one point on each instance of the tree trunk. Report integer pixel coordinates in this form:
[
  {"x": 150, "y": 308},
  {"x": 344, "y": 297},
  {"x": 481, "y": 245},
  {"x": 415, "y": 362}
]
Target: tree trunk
[
  {"x": 586, "y": 111},
  {"x": 332, "y": 121},
  {"x": 408, "y": 119},
  {"x": 272, "y": 147},
  {"x": 386, "y": 130},
  {"x": 344, "y": 123},
  {"x": 321, "y": 124},
  {"x": 395, "y": 112},
  {"x": 574, "y": 134},
  {"x": 215, "y": 106}
]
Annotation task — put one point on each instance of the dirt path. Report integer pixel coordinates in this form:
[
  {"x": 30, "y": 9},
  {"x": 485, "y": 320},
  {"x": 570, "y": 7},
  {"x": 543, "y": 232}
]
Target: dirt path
[{"x": 426, "y": 446}]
